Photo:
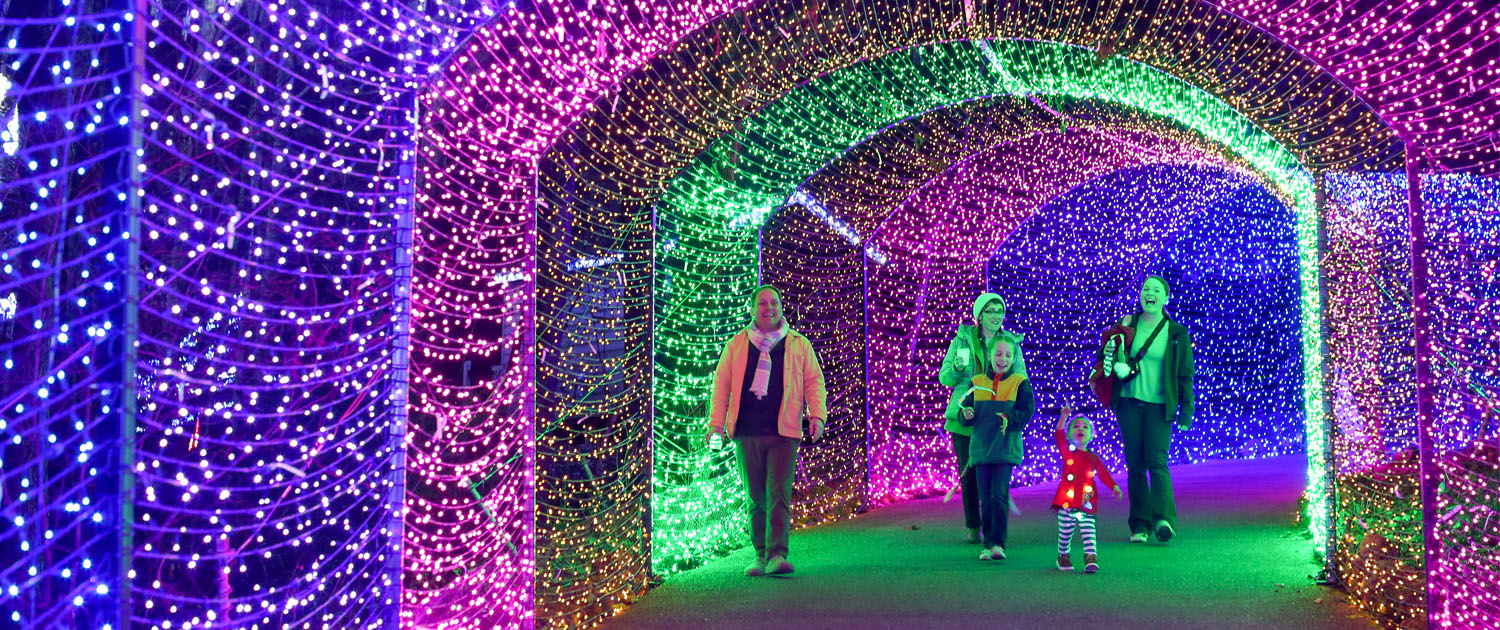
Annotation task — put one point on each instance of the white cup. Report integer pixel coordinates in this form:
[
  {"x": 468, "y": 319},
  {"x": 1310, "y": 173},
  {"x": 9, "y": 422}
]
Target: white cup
[{"x": 963, "y": 356}]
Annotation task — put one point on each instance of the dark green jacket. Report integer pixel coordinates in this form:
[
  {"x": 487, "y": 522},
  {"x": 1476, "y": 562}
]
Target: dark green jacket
[
  {"x": 1177, "y": 371},
  {"x": 979, "y": 363},
  {"x": 989, "y": 445}
]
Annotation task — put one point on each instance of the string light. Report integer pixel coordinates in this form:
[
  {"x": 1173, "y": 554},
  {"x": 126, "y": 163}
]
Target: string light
[
  {"x": 275, "y": 179},
  {"x": 1372, "y": 393},
  {"x": 1463, "y": 257},
  {"x": 64, "y": 329}
]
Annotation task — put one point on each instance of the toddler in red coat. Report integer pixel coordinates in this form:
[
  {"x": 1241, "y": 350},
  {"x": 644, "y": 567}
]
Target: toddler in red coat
[{"x": 1077, "y": 498}]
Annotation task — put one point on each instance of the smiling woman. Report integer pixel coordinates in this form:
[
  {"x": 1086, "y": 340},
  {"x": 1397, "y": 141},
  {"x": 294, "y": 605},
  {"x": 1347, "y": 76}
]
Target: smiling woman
[
  {"x": 762, "y": 409},
  {"x": 1153, "y": 385}
]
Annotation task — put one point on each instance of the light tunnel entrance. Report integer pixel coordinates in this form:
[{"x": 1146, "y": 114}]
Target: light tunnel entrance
[{"x": 1072, "y": 119}]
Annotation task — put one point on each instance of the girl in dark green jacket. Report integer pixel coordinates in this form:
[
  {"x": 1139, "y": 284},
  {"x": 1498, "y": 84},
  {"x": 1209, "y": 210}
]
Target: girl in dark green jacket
[
  {"x": 997, "y": 408},
  {"x": 969, "y": 355}
]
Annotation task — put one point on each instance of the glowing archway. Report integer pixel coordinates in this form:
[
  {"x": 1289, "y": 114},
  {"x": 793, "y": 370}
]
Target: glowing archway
[{"x": 707, "y": 219}]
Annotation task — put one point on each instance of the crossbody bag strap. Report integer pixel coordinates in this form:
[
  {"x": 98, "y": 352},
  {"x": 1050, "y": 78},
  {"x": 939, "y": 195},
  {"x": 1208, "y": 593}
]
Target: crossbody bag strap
[{"x": 1147, "y": 346}]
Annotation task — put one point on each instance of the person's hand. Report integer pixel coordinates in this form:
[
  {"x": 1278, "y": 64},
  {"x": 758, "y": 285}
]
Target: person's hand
[
  {"x": 1004, "y": 422},
  {"x": 1118, "y": 494},
  {"x": 817, "y": 429},
  {"x": 708, "y": 436},
  {"x": 1122, "y": 369},
  {"x": 1182, "y": 426},
  {"x": 968, "y": 413},
  {"x": 1062, "y": 419}
]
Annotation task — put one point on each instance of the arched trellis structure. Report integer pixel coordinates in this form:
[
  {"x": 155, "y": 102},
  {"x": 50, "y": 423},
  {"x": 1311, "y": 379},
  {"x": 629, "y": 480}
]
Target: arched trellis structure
[
  {"x": 699, "y": 288},
  {"x": 923, "y": 289},
  {"x": 711, "y": 218},
  {"x": 230, "y": 387},
  {"x": 879, "y": 220}
]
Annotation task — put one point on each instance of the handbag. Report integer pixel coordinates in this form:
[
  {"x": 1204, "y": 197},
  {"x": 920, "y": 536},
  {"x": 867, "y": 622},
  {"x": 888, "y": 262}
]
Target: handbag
[{"x": 1102, "y": 381}]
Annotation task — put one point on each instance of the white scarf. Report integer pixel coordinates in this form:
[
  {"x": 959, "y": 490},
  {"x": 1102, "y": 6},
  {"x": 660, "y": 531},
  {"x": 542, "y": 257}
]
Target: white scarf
[{"x": 764, "y": 342}]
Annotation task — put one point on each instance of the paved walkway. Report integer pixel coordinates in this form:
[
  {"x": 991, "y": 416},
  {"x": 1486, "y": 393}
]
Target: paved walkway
[{"x": 1239, "y": 561}]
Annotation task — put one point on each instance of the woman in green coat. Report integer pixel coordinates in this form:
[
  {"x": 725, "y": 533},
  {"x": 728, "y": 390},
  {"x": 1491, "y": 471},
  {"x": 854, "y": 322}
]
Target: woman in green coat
[
  {"x": 969, "y": 354},
  {"x": 1153, "y": 387}
]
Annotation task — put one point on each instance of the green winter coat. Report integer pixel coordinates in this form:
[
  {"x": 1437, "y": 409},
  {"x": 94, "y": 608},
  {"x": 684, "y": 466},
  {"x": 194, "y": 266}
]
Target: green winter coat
[{"x": 956, "y": 377}]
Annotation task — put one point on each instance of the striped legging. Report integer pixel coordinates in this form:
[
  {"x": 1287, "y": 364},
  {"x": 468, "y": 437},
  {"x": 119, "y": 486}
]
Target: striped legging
[{"x": 1070, "y": 520}]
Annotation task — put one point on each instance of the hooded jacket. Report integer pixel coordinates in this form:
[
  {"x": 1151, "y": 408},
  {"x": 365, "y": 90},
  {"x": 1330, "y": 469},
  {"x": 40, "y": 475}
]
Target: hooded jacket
[
  {"x": 1011, "y": 396},
  {"x": 957, "y": 377}
]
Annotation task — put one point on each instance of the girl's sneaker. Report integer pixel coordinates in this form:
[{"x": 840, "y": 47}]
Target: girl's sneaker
[
  {"x": 1138, "y": 537},
  {"x": 984, "y": 554},
  {"x": 997, "y": 552},
  {"x": 1064, "y": 562},
  {"x": 1090, "y": 563},
  {"x": 1164, "y": 531}
]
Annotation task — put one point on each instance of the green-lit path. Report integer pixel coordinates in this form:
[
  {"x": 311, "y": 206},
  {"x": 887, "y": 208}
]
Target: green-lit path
[{"x": 1239, "y": 561}]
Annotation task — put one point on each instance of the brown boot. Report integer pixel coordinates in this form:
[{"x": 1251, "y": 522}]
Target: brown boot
[
  {"x": 1090, "y": 563},
  {"x": 1064, "y": 562}
]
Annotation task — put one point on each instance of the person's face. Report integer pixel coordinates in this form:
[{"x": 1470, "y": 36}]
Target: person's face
[
  {"x": 992, "y": 316},
  {"x": 1081, "y": 431},
  {"x": 1153, "y": 295},
  {"x": 1003, "y": 356},
  {"x": 767, "y": 310}
]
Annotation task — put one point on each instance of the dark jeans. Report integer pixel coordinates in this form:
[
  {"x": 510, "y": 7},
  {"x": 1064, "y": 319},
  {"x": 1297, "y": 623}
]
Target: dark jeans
[
  {"x": 994, "y": 501},
  {"x": 967, "y": 482},
  {"x": 769, "y": 466},
  {"x": 1147, "y": 433}
]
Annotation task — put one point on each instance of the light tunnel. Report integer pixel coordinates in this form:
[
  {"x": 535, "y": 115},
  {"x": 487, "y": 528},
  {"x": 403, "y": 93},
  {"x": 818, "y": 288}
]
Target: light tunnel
[
  {"x": 708, "y": 255},
  {"x": 333, "y": 314}
]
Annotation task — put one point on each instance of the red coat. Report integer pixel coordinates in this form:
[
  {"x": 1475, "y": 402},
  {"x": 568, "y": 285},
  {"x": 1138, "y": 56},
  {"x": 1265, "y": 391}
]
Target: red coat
[{"x": 1077, "y": 489}]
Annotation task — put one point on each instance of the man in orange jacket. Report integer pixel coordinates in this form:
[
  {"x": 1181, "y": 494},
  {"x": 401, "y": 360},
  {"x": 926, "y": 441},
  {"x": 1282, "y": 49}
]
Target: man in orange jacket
[{"x": 763, "y": 413}]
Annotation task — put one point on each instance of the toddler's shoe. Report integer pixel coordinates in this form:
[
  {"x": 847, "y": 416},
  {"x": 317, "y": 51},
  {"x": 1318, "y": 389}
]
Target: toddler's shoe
[
  {"x": 1090, "y": 563},
  {"x": 1064, "y": 562}
]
